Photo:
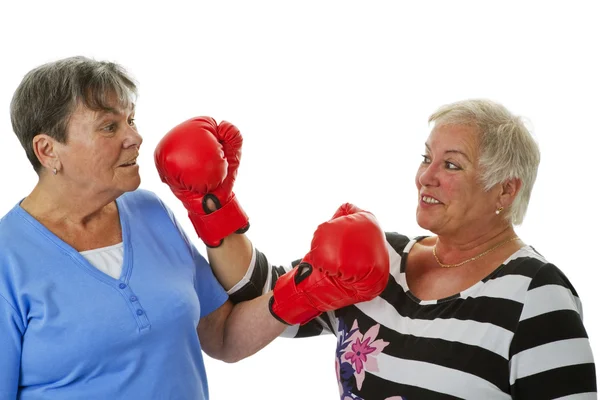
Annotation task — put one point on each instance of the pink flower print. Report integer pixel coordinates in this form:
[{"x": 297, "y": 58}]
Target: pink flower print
[
  {"x": 359, "y": 353},
  {"x": 364, "y": 351}
]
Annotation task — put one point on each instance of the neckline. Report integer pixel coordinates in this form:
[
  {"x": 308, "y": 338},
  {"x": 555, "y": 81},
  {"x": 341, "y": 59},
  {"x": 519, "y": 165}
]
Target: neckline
[
  {"x": 103, "y": 249},
  {"x": 462, "y": 294},
  {"x": 79, "y": 259}
]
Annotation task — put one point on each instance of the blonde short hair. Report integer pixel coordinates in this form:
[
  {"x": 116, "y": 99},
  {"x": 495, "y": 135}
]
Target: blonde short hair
[{"x": 507, "y": 148}]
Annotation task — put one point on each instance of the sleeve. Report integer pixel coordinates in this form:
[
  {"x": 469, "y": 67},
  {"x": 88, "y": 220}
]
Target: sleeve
[
  {"x": 550, "y": 354},
  {"x": 208, "y": 289},
  {"x": 260, "y": 278},
  {"x": 11, "y": 331}
]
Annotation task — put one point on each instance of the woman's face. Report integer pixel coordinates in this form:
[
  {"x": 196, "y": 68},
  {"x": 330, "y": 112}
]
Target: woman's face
[
  {"x": 101, "y": 150},
  {"x": 451, "y": 198}
]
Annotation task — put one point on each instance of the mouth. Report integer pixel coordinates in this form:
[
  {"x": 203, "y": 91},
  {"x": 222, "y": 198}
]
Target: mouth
[
  {"x": 430, "y": 200},
  {"x": 130, "y": 163}
]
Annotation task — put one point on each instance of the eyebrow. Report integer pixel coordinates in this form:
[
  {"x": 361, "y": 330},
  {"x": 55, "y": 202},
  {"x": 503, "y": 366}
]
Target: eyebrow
[
  {"x": 113, "y": 111},
  {"x": 452, "y": 151}
]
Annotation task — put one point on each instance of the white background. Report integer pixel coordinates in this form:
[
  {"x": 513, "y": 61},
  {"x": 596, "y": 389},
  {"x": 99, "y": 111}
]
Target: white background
[{"x": 332, "y": 98}]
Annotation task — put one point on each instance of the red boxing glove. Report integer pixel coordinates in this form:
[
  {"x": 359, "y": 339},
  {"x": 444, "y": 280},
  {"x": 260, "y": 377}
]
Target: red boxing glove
[
  {"x": 348, "y": 263},
  {"x": 198, "y": 159}
]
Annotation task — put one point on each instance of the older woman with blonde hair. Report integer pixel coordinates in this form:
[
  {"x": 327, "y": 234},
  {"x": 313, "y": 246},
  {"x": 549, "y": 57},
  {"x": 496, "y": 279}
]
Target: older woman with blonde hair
[{"x": 470, "y": 311}]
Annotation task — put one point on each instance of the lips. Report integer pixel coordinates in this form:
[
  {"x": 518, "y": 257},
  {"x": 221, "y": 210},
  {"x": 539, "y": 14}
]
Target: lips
[
  {"x": 429, "y": 199},
  {"x": 129, "y": 163}
]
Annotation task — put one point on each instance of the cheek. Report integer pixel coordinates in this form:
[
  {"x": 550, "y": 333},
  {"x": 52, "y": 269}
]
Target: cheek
[
  {"x": 455, "y": 190},
  {"x": 102, "y": 157},
  {"x": 485, "y": 201},
  {"x": 92, "y": 161},
  {"x": 79, "y": 157},
  {"x": 470, "y": 196}
]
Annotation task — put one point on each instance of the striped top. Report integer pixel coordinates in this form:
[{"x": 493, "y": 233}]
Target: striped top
[{"x": 517, "y": 334}]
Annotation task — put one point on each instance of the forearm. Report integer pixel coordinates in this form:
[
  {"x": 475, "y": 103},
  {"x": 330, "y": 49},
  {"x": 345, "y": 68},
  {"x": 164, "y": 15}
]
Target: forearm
[
  {"x": 249, "y": 328},
  {"x": 231, "y": 259}
]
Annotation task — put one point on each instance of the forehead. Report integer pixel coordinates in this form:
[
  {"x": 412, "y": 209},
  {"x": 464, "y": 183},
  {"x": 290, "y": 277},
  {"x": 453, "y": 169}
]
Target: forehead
[
  {"x": 83, "y": 112},
  {"x": 455, "y": 137}
]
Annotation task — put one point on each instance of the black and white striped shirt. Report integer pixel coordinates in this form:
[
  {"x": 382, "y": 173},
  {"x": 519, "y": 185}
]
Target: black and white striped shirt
[{"x": 517, "y": 334}]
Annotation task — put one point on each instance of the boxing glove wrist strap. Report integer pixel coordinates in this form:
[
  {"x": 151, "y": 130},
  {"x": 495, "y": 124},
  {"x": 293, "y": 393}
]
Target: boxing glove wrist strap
[
  {"x": 214, "y": 227},
  {"x": 299, "y": 311},
  {"x": 289, "y": 304}
]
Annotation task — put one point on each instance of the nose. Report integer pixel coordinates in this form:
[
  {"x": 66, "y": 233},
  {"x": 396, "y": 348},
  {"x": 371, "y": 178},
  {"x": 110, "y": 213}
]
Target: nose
[
  {"x": 427, "y": 175},
  {"x": 132, "y": 138}
]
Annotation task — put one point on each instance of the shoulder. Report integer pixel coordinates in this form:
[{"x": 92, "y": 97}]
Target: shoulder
[
  {"x": 149, "y": 211},
  {"x": 550, "y": 281},
  {"x": 11, "y": 228},
  {"x": 142, "y": 201},
  {"x": 525, "y": 262},
  {"x": 546, "y": 288},
  {"x": 9, "y": 218},
  {"x": 528, "y": 262},
  {"x": 140, "y": 196},
  {"x": 397, "y": 242},
  {"x": 13, "y": 234}
]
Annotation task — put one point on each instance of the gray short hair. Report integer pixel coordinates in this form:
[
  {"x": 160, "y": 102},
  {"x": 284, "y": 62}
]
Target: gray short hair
[
  {"x": 48, "y": 95},
  {"x": 507, "y": 148}
]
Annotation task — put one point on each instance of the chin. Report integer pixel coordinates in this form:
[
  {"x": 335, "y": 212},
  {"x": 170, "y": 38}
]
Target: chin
[
  {"x": 131, "y": 185},
  {"x": 425, "y": 221}
]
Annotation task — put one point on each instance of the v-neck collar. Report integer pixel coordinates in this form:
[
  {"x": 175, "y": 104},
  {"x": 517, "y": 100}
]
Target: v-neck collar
[{"x": 79, "y": 259}]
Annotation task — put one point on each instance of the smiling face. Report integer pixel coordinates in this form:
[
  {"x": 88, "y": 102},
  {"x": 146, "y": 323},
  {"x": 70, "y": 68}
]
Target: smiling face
[
  {"x": 100, "y": 153},
  {"x": 452, "y": 201}
]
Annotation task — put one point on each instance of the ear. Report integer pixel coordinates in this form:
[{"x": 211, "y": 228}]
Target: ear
[
  {"x": 509, "y": 190},
  {"x": 45, "y": 148}
]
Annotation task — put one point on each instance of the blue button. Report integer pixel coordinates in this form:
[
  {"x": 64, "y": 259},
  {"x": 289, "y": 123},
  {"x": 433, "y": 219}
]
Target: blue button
[
  {"x": 122, "y": 285},
  {"x": 139, "y": 312},
  {"x": 133, "y": 298}
]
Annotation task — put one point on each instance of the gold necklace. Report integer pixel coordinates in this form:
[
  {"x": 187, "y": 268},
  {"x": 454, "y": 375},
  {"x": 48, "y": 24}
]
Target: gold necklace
[{"x": 473, "y": 258}]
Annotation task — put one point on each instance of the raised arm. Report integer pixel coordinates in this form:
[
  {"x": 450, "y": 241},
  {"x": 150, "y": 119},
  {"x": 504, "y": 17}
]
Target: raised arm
[
  {"x": 198, "y": 159},
  {"x": 348, "y": 263},
  {"x": 247, "y": 274},
  {"x": 231, "y": 260}
]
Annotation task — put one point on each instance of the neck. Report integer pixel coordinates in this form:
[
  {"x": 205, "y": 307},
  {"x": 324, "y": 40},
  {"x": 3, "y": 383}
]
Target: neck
[
  {"x": 455, "y": 249},
  {"x": 56, "y": 202}
]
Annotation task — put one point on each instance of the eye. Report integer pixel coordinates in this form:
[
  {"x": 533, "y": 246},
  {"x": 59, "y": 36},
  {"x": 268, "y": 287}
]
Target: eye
[
  {"x": 131, "y": 121},
  {"x": 451, "y": 165},
  {"x": 110, "y": 127},
  {"x": 426, "y": 159}
]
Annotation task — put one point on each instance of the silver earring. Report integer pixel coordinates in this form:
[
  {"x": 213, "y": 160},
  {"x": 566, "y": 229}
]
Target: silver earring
[{"x": 54, "y": 171}]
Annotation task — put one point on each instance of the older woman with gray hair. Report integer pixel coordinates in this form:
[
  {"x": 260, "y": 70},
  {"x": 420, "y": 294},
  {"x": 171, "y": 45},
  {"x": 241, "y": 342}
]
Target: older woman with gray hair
[
  {"x": 470, "y": 311},
  {"x": 102, "y": 295}
]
